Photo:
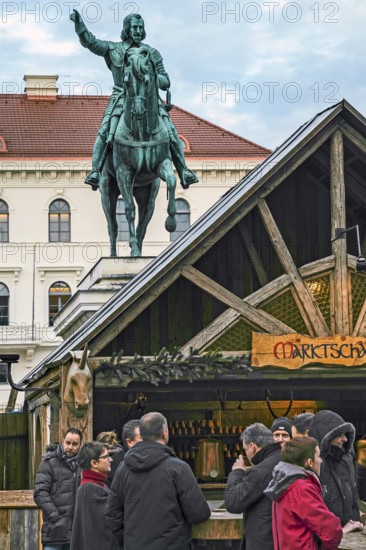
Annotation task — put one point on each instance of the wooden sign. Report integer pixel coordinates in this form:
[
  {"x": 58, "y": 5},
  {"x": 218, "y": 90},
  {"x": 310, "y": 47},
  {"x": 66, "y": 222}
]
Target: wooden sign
[{"x": 294, "y": 351}]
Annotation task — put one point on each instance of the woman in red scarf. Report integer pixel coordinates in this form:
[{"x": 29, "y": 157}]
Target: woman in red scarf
[{"x": 90, "y": 530}]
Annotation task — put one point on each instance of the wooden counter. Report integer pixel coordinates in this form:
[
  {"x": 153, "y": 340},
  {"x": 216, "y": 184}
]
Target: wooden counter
[
  {"x": 353, "y": 541},
  {"x": 221, "y": 526}
]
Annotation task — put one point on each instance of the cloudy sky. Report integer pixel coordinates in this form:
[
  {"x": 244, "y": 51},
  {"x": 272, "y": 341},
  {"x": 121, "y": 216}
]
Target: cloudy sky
[{"x": 259, "y": 69}]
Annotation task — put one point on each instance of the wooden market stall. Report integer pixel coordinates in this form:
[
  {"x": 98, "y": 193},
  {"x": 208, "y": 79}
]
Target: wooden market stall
[{"x": 261, "y": 302}]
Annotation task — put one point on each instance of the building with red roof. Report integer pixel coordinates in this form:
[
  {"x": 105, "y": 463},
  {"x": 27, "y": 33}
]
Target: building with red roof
[{"x": 52, "y": 227}]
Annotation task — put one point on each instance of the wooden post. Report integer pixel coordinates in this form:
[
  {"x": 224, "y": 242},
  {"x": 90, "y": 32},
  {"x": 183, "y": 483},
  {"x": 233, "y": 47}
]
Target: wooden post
[
  {"x": 12, "y": 400},
  {"x": 339, "y": 246}
]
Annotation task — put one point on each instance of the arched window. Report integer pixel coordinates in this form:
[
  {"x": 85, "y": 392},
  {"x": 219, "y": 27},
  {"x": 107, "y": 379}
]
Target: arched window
[
  {"x": 4, "y": 222},
  {"x": 123, "y": 233},
  {"x": 58, "y": 295},
  {"x": 4, "y": 305},
  {"x": 59, "y": 222},
  {"x": 183, "y": 218}
]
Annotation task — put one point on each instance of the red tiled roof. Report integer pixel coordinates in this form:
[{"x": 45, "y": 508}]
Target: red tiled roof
[{"x": 68, "y": 126}]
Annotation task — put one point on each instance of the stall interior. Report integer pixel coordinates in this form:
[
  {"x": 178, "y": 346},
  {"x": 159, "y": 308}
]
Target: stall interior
[{"x": 197, "y": 428}]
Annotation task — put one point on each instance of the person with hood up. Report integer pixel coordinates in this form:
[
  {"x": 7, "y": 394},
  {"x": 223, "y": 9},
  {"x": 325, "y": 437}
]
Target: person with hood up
[
  {"x": 154, "y": 496},
  {"x": 337, "y": 474},
  {"x": 300, "y": 519}
]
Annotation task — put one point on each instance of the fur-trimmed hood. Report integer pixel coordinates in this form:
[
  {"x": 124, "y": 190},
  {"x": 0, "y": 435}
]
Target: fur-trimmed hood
[
  {"x": 327, "y": 425},
  {"x": 284, "y": 475}
]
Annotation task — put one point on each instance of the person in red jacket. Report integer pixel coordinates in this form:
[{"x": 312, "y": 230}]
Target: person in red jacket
[{"x": 300, "y": 519}]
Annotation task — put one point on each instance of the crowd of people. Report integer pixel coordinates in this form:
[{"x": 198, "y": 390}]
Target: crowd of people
[{"x": 297, "y": 490}]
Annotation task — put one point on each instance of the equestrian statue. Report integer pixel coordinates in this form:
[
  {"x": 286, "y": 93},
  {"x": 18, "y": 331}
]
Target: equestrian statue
[{"x": 137, "y": 141}]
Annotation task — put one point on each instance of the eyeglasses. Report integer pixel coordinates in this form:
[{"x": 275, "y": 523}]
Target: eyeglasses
[{"x": 104, "y": 456}]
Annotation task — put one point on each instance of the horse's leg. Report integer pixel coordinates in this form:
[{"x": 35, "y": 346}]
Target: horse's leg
[
  {"x": 166, "y": 173},
  {"x": 109, "y": 192},
  {"x": 125, "y": 184},
  {"x": 145, "y": 197}
]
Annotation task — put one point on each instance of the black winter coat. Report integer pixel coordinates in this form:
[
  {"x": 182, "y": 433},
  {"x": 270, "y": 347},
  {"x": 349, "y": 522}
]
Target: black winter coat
[
  {"x": 153, "y": 500},
  {"x": 244, "y": 494},
  {"x": 55, "y": 493},
  {"x": 116, "y": 453},
  {"x": 337, "y": 473},
  {"x": 90, "y": 525}
]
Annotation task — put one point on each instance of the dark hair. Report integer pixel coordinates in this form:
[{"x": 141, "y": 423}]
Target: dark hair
[
  {"x": 128, "y": 431},
  {"x": 302, "y": 421},
  {"x": 74, "y": 431},
  {"x": 88, "y": 452},
  {"x": 152, "y": 426},
  {"x": 125, "y": 34},
  {"x": 108, "y": 438},
  {"x": 257, "y": 433},
  {"x": 299, "y": 450}
]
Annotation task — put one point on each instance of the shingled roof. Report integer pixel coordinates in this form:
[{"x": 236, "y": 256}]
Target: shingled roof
[{"x": 68, "y": 126}]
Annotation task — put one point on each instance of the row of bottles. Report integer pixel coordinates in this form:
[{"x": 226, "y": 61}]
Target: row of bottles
[
  {"x": 187, "y": 452},
  {"x": 201, "y": 428}
]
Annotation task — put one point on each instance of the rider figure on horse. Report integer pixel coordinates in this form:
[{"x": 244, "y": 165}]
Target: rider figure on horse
[{"x": 114, "y": 53}]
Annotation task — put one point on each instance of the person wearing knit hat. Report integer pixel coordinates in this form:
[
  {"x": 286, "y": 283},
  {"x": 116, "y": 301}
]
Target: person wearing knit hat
[
  {"x": 337, "y": 474},
  {"x": 281, "y": 429}
]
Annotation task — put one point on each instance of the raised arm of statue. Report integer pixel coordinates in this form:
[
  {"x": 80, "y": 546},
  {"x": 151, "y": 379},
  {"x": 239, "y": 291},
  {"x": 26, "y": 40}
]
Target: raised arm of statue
[{"x": 87, "y": 39}]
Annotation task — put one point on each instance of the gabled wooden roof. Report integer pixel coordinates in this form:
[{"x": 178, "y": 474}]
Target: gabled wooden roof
[
  {"x": 178, "y": 259},
  {"x": 67, "y": 127}
]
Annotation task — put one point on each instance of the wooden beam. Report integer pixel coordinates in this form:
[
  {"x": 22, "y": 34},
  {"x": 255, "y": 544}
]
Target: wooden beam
[
  {"x": 12, "y": 400},
  {"x": 310, "y": 307},
  {"x": 203, "y": 339},
  {"x": 360, "y": 325},
  {"x": 318, "y": 267},
  {"x": 339, "y": 246},
  {"x": 251, "y": 250},
  {"x": 263, "y": 320},
  {"x": 354, "y": 136},
  {"x": 19, "y": 498}
]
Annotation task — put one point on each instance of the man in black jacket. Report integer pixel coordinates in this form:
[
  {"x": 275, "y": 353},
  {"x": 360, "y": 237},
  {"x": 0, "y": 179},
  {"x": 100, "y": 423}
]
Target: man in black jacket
[
  {"x": 57, "y": 480},
  {"x": 337, "y": 474},
  {"x": 154, "y": 496},
  {"x": 245, "y": 486}
]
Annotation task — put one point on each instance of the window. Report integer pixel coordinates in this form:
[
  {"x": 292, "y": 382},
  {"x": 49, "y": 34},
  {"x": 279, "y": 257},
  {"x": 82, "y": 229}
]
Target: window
[
  {"x": 58, "y": 295},
  {"x": 123, "y": 232},
  {"x": 4, "y": 222},
  {"x": 183, "y": 218},
  {"x": 3, "y": 374},
  {"x": 59, "y": 222},
  {"x": 4, "y": 305},
  {"x": 3, "y": 147}
]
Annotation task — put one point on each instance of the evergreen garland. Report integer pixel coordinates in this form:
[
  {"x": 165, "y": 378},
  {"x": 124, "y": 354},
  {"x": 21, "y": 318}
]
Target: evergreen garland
[{"x": 166, "y": 367}]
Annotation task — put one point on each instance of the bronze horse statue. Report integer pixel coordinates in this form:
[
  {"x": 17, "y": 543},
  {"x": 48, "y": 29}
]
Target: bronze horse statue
[{"x": 140, "y": 156}]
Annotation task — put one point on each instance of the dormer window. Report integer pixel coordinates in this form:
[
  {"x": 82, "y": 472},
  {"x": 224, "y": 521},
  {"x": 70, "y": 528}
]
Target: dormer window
[
  {"x": 3, "y": 147},
  {"x": 185, "y": 143}
]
